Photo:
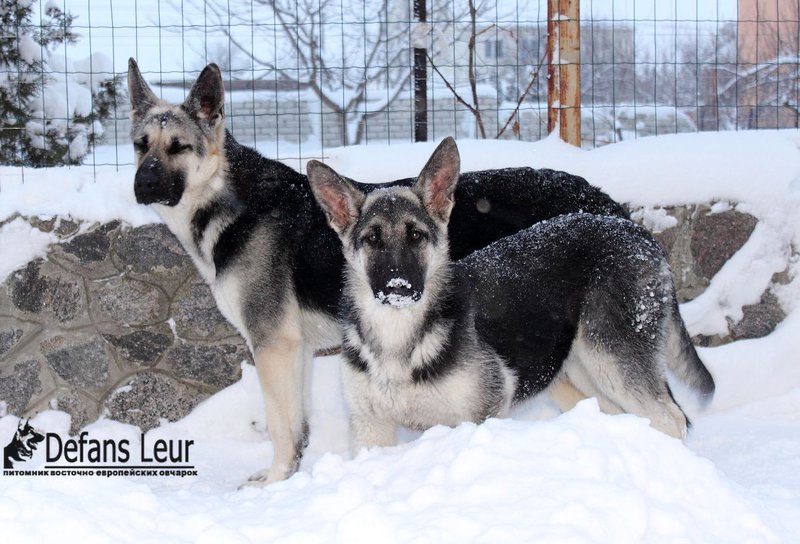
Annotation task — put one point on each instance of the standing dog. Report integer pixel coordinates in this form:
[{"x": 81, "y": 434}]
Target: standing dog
[
  {"x": 581, "y": 300},
  {"x": 257, "y": 236}
]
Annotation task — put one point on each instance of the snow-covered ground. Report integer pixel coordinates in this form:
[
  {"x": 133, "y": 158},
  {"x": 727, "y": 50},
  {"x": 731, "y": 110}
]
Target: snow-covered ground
[{"x": 577, "y": 477}]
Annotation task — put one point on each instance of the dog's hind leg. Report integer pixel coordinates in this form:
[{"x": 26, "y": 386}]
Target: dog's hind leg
[
  {"x": 564, "y": 393},
  {"x": 280, "y": 366},
  {"x": 574, "y": 385},
  {"x": 621, "y": 341},
  {"x": 660, "y": 408},
  {"x": 635, "y": 382}
]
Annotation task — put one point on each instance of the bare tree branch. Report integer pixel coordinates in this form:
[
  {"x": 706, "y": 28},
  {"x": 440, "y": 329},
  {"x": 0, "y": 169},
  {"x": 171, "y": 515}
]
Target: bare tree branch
[
  {"x": 393, "y": 95},
  {"x": 315, "y": 54},
  {"x": 450, "y": 87},
  {"x": 534, "y": 78}
]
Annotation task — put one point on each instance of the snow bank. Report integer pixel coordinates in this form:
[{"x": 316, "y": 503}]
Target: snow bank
[
  {"x": 654, "y": 171},
  {"x": 66, "y": 192},
  {"x": 35, "y": 244},
  {"x": 583, "y": 477},
  {"x": 757, "y": 368},
  {"x": 741, "y": 281},
  {"x": 83, "y": 193}
]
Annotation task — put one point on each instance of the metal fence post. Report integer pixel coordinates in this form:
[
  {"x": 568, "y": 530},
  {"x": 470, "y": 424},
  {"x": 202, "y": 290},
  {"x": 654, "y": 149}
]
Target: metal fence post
[
  {"x": 564, "y": 69},
  {"x": 420, "y": 78}
]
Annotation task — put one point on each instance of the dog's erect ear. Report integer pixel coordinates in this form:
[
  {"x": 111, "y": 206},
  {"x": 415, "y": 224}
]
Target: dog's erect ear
[
  {"x": 206, "y": 100},
  {"x": 141, "y": 96},
  {"x": 436, "y": 184},
  {"x": 337, "y": 197}
]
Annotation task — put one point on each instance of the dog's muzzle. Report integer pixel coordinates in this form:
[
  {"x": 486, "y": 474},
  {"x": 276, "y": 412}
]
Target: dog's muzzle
[
  {"x": 398, "y": 292},
  {"x": 145, "y": 187},
  {"x": 150, "y": 187}
]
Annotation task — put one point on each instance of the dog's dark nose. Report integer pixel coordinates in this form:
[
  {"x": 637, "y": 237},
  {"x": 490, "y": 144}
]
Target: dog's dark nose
[
  {"x": 398, "y": 292},
  {"x": 145, "y": 186},
  {"x": 400, "y": 287}
]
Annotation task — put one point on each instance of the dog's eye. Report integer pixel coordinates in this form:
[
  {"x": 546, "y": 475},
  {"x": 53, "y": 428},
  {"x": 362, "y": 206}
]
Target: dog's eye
[
  {"x": 416, "y": 235},
  {"x": 177, "y": 147},
  {"x": 142, "y": 145},
  {"x": 372, "y": 239}
]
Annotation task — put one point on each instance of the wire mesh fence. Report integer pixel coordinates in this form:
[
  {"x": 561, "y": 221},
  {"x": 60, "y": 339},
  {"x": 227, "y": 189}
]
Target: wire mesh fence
[{"x": 302, "y": 76}]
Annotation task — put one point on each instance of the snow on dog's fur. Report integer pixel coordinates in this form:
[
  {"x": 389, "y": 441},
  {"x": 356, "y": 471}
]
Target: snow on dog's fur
[
  {"x": 258, "y": 238},
  {"x": 581, "y": 303}
]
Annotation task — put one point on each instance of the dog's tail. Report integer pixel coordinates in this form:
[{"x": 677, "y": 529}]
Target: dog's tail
[{"x": 683, "y": 360}]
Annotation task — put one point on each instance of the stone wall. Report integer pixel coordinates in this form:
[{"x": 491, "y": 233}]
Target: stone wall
[
  {"x": 699, "y": 244},
  {"x": 116, "y": 322}
]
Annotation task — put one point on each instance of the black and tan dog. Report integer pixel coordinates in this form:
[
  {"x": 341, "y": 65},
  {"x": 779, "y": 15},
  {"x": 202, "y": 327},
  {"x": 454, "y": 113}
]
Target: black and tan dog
[
  {"x": 22, "y": 446},
  {"x": 580, "y": 299},
  {"x": 257, "y": 236}
]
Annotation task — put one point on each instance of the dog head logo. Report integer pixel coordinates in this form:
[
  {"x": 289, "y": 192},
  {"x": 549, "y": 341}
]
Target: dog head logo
[{"x": 22, "y": 446}]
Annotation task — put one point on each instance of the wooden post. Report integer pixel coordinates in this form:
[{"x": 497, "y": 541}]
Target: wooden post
[{"x": 564, "y": 69}]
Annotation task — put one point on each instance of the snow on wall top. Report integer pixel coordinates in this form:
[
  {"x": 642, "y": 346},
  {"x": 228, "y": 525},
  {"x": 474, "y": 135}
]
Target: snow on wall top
[{"x": 756, "y": 167}]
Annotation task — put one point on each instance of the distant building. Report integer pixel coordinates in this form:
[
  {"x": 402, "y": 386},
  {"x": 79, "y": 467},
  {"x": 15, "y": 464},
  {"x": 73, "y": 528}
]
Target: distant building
[{"x": 768, "y": 71}]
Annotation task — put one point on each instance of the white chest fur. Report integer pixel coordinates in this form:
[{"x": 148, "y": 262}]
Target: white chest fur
[
  {"x": 449, "y": 400},
  {"x": 226, "y": 288}
]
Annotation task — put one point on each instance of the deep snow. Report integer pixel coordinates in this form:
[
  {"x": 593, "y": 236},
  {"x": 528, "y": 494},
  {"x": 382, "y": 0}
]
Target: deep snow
[{"x": 578, "y": 477}]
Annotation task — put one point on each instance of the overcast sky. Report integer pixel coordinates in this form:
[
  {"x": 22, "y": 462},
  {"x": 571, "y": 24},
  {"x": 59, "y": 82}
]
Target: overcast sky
[{"x": 177, "y": 47}]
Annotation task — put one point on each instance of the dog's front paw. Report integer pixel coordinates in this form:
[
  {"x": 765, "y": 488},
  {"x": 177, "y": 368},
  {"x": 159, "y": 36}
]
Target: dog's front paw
[
  {"x": 268, "y": 476},
  {"x": 259, "y": 479}
]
